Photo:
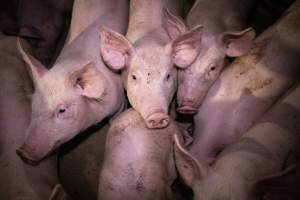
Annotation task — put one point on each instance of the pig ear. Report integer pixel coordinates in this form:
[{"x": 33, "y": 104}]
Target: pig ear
[
  {"x": 88, "y": 80},
  {"x": 238, "y": 43},
  {"x": 37, "y": 69},
  {"x": 174, "y": 25},
  {"x": 186, "y": 47},
  {"x": 282, "y": 183},
  {"x": 115, "y": 49},
  {"x": 188, "y": 167},
  {"x": 58, "y": 193}
]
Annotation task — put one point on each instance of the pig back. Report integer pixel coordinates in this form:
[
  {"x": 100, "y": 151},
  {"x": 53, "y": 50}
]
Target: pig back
[{"x": 138, "y": 162}]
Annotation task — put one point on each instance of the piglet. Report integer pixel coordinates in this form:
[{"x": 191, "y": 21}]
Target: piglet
[{"x": 77, "y": 92}]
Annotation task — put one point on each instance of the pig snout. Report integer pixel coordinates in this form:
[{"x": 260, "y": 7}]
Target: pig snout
[
  {"x": 187, "y": 107},
  {"x": 26, "y": 154},
  {"x": 157, "y": 120}
]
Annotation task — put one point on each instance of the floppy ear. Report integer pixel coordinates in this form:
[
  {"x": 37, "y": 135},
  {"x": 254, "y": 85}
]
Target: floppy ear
[
  {"x": 188, "y": 167},
  {"x": 186, "y": 47},
  {"x": 89, "y": 81},
  {"x": 238, "y": 43},
  {"x": 115, "y": 49},
  {"x": 174, "y": 25},
  {"x": 284, "y": 182},
  {"x": 37, "y": 69}
]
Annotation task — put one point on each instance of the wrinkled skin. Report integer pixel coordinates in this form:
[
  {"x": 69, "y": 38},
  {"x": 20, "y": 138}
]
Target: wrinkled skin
[
  {"x": 248, "y": 87},
  {"x": 252, "y": 166},
  {"x": 138, "y": 161},
  {"x": 20, "y": 181},
  {"x": 77, "y": 92},
  {"x": 146, "y": 56},
  {"x": 223, "y": 35}
]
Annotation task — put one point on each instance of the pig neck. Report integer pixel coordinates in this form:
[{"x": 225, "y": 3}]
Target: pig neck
[
  {"x": 87, "y": 12},
  {"x": 85, "y": 48},
  {"x": 146, "y": 17},
  {"x": 219, "y": 16}
]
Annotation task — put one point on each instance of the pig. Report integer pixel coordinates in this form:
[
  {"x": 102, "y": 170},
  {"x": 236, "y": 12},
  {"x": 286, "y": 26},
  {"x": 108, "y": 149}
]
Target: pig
[
  {"x": 246, "y": 169},
  {"x": 248, "y": 87},
  {"x": 222, "y": 37},
  {"x": 154, "y": 39},
  {"x": 138, "y": 161},
  {"x": 77, "y": 92},
  {"x": 20, "y": 181}
]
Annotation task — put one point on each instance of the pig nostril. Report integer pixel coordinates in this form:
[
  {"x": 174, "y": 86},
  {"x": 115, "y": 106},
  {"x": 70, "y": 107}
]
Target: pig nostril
[
  {"x": 61, "y": 110},
  {"x": 165, "y": 122}
]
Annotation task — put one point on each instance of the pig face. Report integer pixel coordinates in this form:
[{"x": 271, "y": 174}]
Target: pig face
[
  {"x": 63, "y": 104},
  {"x": 151, "y": 84},
  {"x": 196, "y": 78},
  {"x": 149, "y": 75}
]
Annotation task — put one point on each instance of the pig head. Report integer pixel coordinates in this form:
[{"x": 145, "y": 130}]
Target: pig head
[
  {"x": 149, "y": 75},
  {"x": 66, "y": 102}
]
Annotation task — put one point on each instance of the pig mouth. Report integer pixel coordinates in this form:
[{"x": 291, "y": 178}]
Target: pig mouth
[
  {"x": 187, "y": 110},
  {"x": 25, "y": 156}
]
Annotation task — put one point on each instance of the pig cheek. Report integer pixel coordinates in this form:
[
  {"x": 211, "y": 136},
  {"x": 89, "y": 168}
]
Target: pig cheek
[{"x": 135, "y": 93}]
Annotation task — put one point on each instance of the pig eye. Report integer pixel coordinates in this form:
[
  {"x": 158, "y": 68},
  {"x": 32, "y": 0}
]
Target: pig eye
[
  {"x": 168, "y": 77},
  {"x": 133, "y": 77},
  {"x": 62, "y": 112}
]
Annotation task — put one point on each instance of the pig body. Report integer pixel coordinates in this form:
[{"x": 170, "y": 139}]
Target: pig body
[
  {"x": 222, "y": 36},
  {"x": 77, "y": 92},
  {"x": 245, "y": 168},
  {"x": 138, "y": 162},
  {"x": 146, "y": 56},
  {"x": 248, "y": 87},
  {"x": 20, "y": 181}
]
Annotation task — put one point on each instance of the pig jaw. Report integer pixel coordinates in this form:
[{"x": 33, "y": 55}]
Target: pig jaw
[{"x": 191, "y": 92}]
